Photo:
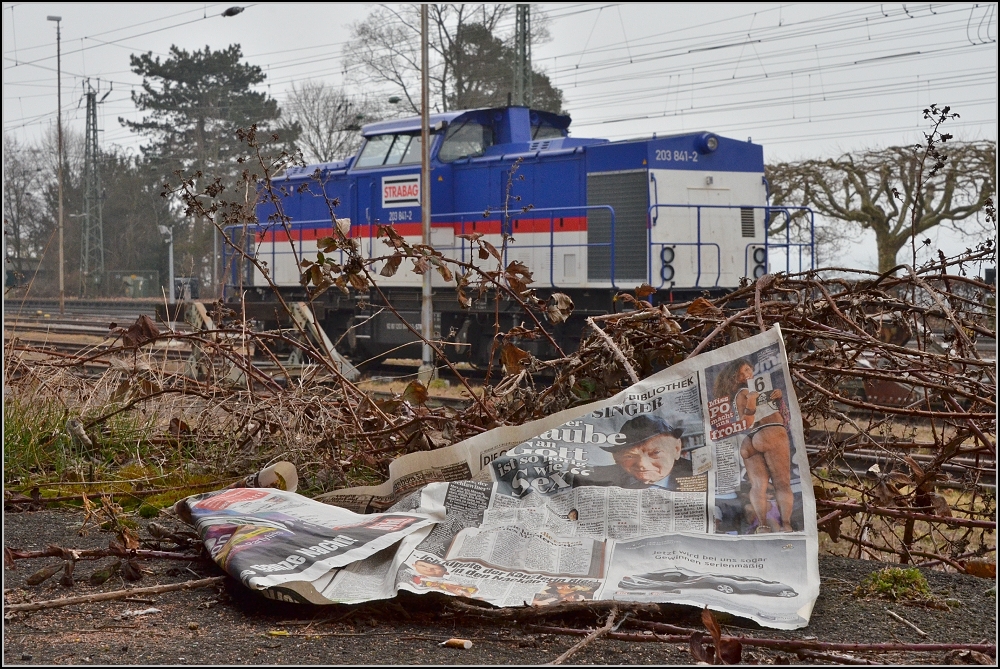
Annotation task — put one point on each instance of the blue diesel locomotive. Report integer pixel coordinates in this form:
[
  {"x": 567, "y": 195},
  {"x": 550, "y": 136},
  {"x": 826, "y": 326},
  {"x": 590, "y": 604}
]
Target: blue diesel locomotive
[{"x": 684, "y": 213}]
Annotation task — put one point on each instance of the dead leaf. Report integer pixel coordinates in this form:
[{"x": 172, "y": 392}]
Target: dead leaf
[
  {"x": 491, "y": 250},
  {"x": 102, "y": 575},
  {"x": 730, "y": 651},
  {"x": 415, "y": 393},
  {"x": 445, "y": 272},
  {"x": 698, "y": 650},
  {"x": 518, "y": 268},
  {"x": 711, "y": 624},
  {"x": 981, "y": 568},
  {"x": 644, "y": 291},
  {"x": 178, "y": 427},
  {"x": 88, "y": 513},
  {"x": 129, "y": 538},
  {"x": 940, "y": 504},
  {"x": 702, "y": 307},
  {"x": 66, "y": 580},
  {"x": 436, "y": 438},
  {"x": 315, "y": 275},
  {"x": 131, "y": 571},
  {"x": 968, "y": 657},
  {"x": 832, "y": 527},
  {"x": 149, "y": 387},
  {"x": 391, "y": 265},
  {"x": 513, "y": 358},
  {"x": 917, "y": 470},
  {"x": 727, "y": 651},
  {"x": 559, "y": 308},
  {"x": 44, "y": 574},
  {"x": 358, "y": 282},
  {"x": 141, "y": 332},
  {"x": 420, "y": 265}
]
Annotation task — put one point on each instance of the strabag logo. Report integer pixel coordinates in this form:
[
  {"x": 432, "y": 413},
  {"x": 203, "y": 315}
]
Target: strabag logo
[{"x": 401, "y": 191}]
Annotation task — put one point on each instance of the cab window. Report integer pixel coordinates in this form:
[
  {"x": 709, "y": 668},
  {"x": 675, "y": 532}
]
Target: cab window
[
  {"x": 401, "y": 149},
  {"x": 465, "y": 140},
  {"x": 546, "y": 131}
]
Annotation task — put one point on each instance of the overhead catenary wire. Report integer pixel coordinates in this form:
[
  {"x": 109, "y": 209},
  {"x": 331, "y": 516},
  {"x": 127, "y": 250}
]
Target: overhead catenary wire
[{"x": 641, "y": 58}]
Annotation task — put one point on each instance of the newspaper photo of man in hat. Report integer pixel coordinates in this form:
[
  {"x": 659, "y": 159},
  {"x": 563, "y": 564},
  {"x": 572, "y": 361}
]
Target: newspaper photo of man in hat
[{"x": 649, "y": 457}]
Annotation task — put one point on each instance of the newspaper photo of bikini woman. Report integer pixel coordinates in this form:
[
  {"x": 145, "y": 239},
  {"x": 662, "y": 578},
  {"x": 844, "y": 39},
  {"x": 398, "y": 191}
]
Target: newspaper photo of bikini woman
[{"x": 757, "y": 421}]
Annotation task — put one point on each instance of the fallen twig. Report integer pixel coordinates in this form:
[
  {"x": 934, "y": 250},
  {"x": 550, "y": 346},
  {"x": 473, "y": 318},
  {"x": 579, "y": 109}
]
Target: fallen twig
[
  {"x": 906, "y": 622},
  {"x": 593, "y": 636},
  {"x": 832, "y": 657},
  {"x": 98, "y": 553},
  {"x": 554, "y": 609},
  {"x": 796, "y": 644},
  {"x": 117, "y": 594}
]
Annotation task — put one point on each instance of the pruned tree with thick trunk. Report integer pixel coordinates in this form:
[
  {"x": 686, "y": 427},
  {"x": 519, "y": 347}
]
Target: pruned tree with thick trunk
[{"x": 898, "y": 193}]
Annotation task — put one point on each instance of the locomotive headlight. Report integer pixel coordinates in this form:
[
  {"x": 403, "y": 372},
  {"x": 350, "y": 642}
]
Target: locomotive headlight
[
  {"x": 707, "y": 143},
  {"x": 667, "y": 258},
  {"x": 760, "y": 262}
]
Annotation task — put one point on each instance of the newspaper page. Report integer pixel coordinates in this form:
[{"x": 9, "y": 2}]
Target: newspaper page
[
  {"x": 685, "y": 488},
  {"x": 279, "y": 542}
]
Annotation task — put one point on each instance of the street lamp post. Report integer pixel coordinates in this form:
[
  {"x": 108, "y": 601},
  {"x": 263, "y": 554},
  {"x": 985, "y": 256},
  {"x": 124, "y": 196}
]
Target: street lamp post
[
  {"x": 427, "y": 305},
  {"x": 168, "y": 237},
  {"x": 62, "y": 278}
]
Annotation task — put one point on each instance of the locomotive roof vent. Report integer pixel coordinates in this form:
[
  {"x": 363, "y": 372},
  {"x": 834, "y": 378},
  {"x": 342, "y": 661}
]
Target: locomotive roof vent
[{"x": 539, "y": 145}]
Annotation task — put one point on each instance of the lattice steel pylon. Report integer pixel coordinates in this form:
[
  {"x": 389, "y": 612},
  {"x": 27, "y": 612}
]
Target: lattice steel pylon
[
  {"x": 92, "y": 230},
  {"x": 522, "y": 56}
]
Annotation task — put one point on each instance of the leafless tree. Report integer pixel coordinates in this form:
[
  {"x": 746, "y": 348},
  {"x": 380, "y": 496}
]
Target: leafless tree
[
  {"x": 330, "y": 119},
  {"x": 23, "y": 208},
  {"x": 892, "y": 192},
  {"x": 385, "y": 49}
]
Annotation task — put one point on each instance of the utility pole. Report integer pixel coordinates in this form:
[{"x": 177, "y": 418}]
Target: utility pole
[
  {"x": 62, "y": 278},
  {"x": 522, "y": 56},
  {"x": 92, "y": 247},
  {"x": 427, "y": 300},
  {"x": 168, "y": 237}
]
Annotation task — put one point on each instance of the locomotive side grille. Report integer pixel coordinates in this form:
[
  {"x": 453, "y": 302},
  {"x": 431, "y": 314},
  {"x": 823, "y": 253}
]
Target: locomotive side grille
[
  {"x": 746, "y": 219},
  {"x": 628, "y": 194}
]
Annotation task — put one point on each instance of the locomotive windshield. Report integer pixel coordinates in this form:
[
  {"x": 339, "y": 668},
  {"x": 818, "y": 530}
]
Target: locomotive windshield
[
  {"x": 394, "y": 149},
  {"x": 466, "y": 140},
  {"x": 546, "y": 130}
]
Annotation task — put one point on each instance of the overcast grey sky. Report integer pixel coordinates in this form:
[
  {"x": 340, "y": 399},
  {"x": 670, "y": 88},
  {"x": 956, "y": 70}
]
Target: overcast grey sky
[{"x": 803, "y": 80}]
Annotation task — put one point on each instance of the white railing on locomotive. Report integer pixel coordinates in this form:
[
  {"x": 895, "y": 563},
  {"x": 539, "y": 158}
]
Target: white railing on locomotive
[
  {"x": 293, "y": 236},
  {"x": 552, "y": 246},
  {"x": 240, "y": 272},
  {"x": 788, "y": 244},
  {"x": 652, "y": 217}
]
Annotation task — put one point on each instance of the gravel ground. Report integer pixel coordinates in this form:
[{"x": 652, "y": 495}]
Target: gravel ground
[{"x": 230, "y": 625}]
